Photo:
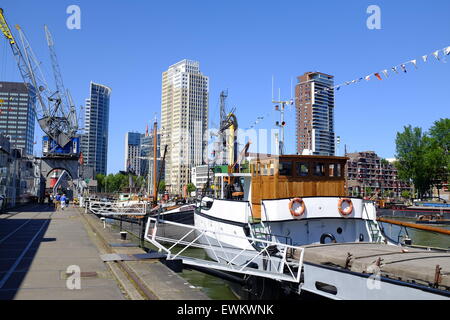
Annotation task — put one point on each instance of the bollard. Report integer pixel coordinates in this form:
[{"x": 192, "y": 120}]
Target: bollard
[
  {"x": 123, "y": 235},
  {"x": 104, "y": 222}
]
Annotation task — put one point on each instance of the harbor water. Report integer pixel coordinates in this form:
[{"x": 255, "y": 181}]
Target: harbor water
[
  {"x": 214, "y": 287},
  {"x": 418, "y": 237}
]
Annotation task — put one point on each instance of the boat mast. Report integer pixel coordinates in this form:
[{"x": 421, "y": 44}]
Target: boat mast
[{"x": 155, "y": 149}]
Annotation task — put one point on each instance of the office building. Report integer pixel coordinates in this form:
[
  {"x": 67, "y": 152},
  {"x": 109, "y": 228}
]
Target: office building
[
  {"x": 184, "y": 122},
  {"x": 94, "y": 140},
  {"x": 314, "y": 103},
  {"x": 132, "y": 152},
  {"x": 17, "y": 115}
]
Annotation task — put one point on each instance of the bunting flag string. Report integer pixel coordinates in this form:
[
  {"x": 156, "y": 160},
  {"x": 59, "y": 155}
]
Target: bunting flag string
[
  {"x": 258, "y": 120},
  {"x": 395, "y": 69}
]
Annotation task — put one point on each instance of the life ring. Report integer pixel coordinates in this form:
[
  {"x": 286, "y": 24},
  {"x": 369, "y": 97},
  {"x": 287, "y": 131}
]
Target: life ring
[
  {"x": 327, "y": 235},
  {"x": 302, "y": 209},
  {"x": 347, "y": 210}
]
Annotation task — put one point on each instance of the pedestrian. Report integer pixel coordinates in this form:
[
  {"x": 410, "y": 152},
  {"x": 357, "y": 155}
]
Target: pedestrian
[
  {"x": 63, "y": 201},
  {"x": 57, "y": 201}
]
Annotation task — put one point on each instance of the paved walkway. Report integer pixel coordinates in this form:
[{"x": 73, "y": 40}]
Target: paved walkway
[{"x": 38, "y": 245}]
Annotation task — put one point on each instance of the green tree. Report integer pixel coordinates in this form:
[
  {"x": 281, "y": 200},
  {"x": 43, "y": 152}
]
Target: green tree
[
  {"x": 162, "y": 186},
  {"x": 406, "y": 194},
  {"x": 100, "y": 182},
  {"x": 191, "y": 187},
  {"x": 438, "y": 156},
  {"x": 411, "y": 151},
  {"x": 384, "y": 163}
]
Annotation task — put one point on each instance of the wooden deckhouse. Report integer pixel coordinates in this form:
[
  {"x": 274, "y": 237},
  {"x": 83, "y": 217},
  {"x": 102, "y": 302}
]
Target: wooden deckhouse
[{"x": 278, "y": 177}]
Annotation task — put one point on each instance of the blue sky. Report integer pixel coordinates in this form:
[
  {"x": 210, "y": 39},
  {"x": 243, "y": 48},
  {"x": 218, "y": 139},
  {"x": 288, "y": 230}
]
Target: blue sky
[{"x": 240, "y": 44}]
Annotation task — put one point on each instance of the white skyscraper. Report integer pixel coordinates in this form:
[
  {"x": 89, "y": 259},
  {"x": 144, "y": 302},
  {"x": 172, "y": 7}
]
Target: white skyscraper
[{"x": 184, "y": 121}]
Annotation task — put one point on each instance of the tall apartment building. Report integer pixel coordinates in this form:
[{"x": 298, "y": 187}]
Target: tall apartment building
[
  {"x": 133, "y": 152},
  {"x": 17, "y": 115},
  {"x": 94, "y": 140},
  {"x": 314, "y": 103},
  {"x": 184, "y": 121},
  {"x": 368, "y": 174}
]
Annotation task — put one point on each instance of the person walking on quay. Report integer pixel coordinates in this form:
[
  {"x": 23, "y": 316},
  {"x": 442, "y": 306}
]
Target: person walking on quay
[
  {"x": 57, "y": 201},
  {"x": 63, "y": 201}
]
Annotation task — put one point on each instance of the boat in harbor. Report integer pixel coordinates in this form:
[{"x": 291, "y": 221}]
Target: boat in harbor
[
  {"x": 300, "y": 201},
  {"x": 435, "y": 219}
]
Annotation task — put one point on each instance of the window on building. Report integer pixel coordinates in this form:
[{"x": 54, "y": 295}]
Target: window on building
[
  {"x": 285, "y": 168},
  {"x": 302, "y": 169},
  {"x": 319, "y": 169}
]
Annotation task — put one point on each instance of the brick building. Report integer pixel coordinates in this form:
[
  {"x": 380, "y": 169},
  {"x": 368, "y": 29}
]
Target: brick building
[{"x": 369, "y": 175}]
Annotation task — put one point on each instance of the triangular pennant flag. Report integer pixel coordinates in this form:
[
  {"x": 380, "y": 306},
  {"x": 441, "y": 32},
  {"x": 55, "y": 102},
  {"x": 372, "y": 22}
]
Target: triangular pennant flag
[
  {"x": 447, "y": 51},
  {"x": 386, "y": 73},
  {"x": 403, "y": 68},
  {"x": 394, "y": 69},
  {"x": 425, "y": 58},
  {"x": 337, "y": 88},
  {"x": 378, "y": 76},
  {"x": 414, "y": 62},
  {"x": 367, "y": 78},
  {"x": 360, "y": 79},
  {"x": 436, "y": 54}
]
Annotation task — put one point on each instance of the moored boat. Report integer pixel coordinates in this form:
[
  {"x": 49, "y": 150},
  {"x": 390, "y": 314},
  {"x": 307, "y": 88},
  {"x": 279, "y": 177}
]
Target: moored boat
[{"x": 301, "y": 201}]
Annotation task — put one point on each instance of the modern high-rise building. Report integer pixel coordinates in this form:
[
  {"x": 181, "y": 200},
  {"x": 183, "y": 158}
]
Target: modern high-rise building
[
  {"x": 184, "y": 121},
  {"x": 133, "y": 152},
  {"x": 94, "y": 140},
  {"x": 17, "y": 115},
  {"x": 314, "y": 103}
]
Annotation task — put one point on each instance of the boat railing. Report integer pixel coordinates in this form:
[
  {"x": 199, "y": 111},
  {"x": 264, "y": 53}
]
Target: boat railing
[
  {"x": 110, "y": 208},
  {"x": 251, "y": 256}
]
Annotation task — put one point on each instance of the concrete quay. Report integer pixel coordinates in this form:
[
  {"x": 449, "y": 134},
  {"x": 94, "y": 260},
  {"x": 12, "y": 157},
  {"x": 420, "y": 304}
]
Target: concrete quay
[{"x": 57, "y": 255}]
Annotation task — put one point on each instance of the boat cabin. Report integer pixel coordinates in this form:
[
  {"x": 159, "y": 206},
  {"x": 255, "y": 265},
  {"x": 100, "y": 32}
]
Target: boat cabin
[{"x": 286, "y": 176}]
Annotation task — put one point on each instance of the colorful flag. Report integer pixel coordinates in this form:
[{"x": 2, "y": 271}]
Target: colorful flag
[
  {"x": 338, "y": 87},
  {"x": 447, "y": 51},
  {"x": 378, "y": 76},
  {"x": 414, "y": 62},
  {"x": 386, "y": 73},
  {"x": 403, "y": 68},
  {"x": 367, "y": 78},
  {"x": 436, "y": 54},
  {"x": 394, "y": 69},
  {"x": 425, "y": 58}
]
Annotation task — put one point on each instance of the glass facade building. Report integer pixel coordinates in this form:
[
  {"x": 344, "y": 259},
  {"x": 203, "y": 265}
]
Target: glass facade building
[
  {"x": 17, "y": 115},
  {"x": 94, "y": 140}
]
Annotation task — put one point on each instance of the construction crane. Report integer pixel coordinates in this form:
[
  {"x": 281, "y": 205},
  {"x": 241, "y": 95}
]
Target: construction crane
[{"x": 56, "y": 117}]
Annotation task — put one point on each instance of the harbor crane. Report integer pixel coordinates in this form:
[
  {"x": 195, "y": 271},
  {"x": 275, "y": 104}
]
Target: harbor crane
[{"x": 54, "y": 110}]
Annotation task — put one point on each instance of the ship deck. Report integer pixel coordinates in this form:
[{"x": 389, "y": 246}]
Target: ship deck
[{"x": 399, "y": 263}]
